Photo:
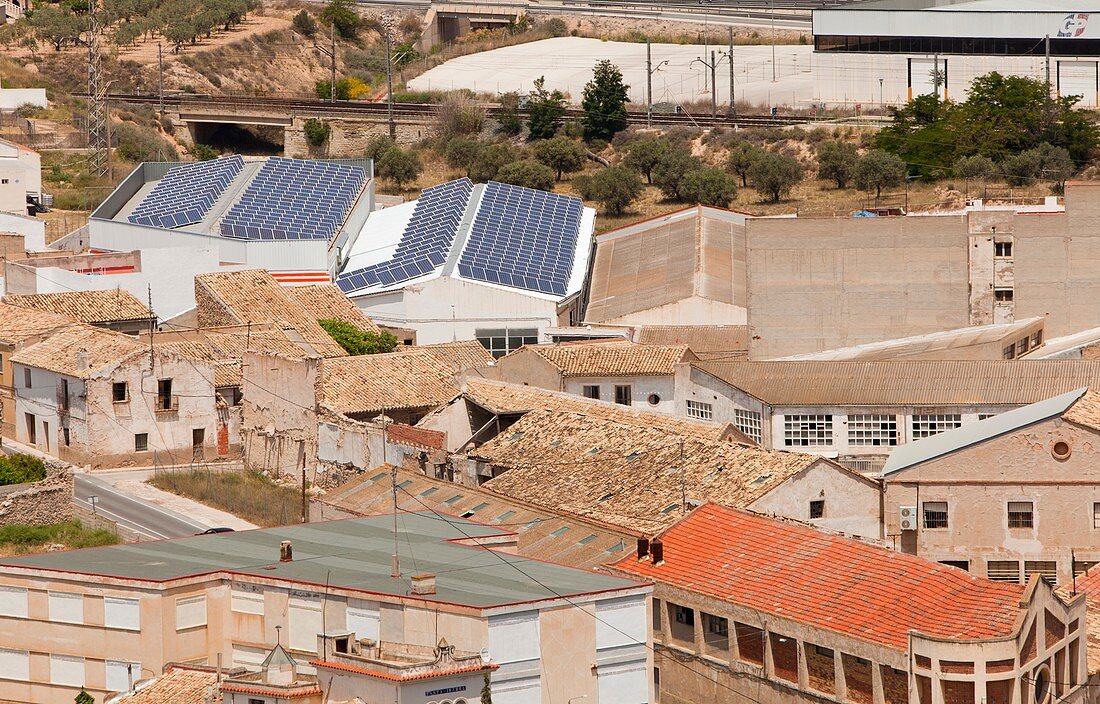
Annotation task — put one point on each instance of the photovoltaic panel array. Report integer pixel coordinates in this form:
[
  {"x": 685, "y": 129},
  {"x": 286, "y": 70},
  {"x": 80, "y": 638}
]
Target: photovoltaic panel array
[
  {"x": 294, "y": 199},
  {"x": 186, "y": 193},
  {"x": 424, "y": 244},
  {"x": 523, "y": 238}
]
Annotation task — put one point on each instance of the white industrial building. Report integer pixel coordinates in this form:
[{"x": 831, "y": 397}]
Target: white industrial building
[{"x": 491, "y": 262}]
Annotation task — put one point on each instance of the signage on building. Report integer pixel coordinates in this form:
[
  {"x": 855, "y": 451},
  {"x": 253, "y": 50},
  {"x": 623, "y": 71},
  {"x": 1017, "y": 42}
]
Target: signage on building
[
  {"x": 447, "y": 690},
  {"x": 1073, "y": 25}
]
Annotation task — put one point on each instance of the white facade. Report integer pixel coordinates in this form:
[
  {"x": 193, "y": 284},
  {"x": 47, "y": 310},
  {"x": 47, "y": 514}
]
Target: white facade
[
  {"x": 32, "y": 229},
  {"x": 11, "y": 98},
  {"x": 647, "y": 393}
]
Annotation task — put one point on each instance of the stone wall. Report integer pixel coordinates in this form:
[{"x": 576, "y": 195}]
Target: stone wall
[
  {"x": 97, "y": 520},
  {"x": 39, "y": 503},
  {"x": 349, "y": 138}
]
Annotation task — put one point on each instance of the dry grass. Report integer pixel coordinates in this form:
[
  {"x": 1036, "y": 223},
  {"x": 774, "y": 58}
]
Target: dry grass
[
  {"x": 28, "y": 540},
  {"x": 247, "y": 495}
]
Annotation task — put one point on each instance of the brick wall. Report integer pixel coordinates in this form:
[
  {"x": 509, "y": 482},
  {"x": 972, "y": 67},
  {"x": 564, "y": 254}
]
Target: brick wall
[
  {"x": 958, "y": 692},
  {"x": 750, "y": 643},
  {"x": 857, "y": 676},
  {"x": 895, "y": 686},
  {"x": 820, "y": 666},
  {"x": 784, "y": 657}
]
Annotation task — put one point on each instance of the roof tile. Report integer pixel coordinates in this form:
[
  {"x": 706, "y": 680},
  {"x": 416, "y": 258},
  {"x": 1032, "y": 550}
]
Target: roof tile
[
  {"x": 615, "y": 358},
  {"x": 108, "y": 306}
]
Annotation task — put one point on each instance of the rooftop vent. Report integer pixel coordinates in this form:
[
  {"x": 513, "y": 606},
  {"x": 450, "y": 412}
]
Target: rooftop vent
[
  {"x": 423, "y": 584},
  {"x": 643, "y": 548},
  {"x": 657, "y": 550},
  {"x": 286, "y": 551}
]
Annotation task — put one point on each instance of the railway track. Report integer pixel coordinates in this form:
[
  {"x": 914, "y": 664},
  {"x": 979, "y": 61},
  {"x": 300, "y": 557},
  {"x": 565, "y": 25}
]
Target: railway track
[{"x": 322, "y": 108}]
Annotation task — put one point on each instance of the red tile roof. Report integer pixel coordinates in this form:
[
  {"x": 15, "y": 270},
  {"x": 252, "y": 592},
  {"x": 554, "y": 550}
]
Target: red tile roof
[
  {"x": 411, "y": 435},
  {"x": 299, "y": 692},
  {"x": 827, "y": 581},
  {"x": 408, "y": 678}
]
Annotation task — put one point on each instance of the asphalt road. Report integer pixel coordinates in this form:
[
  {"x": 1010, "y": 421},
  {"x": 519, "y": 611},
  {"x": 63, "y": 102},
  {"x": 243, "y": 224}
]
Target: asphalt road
[{"x": 133, "y": 513}]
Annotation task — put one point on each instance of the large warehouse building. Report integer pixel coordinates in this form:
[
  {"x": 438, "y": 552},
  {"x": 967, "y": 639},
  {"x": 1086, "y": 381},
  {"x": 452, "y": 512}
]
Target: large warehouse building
[{"x": 886, "y": 50}]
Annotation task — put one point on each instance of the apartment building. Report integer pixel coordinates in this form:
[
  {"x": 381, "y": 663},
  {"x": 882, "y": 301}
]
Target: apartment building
[
  {"x": 552, "y": 633},
  {"x": 858, "y": 411},
  {"x": 799, "y": 615},
  {"x": 1008, "y": 497}
]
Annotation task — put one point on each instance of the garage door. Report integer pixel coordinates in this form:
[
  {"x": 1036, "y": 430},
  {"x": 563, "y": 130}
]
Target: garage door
[
  {"x": 920, "y": 77},
  {"x": 1078, "y": 78}
]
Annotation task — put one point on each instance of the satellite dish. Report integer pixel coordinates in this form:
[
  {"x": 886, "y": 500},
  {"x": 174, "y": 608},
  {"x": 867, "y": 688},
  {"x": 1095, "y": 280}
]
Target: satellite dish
[{"x": 485, "y": 655}]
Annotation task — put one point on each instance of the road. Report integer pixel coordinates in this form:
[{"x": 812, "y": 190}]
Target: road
[{"x": 130, "y": 512}]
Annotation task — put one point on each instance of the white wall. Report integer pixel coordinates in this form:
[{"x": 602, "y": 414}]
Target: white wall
[
  {"x": 40, "y": 400},
  {"x": 32, "y": 229},
  {"x": 641, "y": 387},
  {"x": 852, "y": 504},
  {"x": 11, "y": 98}
]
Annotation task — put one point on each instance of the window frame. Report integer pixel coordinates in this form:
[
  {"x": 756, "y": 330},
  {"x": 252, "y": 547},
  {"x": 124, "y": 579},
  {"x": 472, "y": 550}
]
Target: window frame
[
  {"x": 700, "y": 410},
  {"x": 122, "y": 386},
  {"x": 1021, "y": 523},
  {"x": 873, "y": 430},
  {"x": 624, "y": 394},
  {"x": 141, "y": 442},
  {"x": 750, "y": 423},
  {"x": 937, "y": 517},
  {"x": 817, "y": 506},
  {"x": 591, "y": 391},
  {"x": 808, "y": 430},
  {"x": 921, "y": 425}
]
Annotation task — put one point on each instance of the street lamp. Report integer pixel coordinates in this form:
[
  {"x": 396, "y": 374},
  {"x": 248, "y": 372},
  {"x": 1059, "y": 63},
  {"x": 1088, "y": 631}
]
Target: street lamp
[{"x": 881, "y": 102}]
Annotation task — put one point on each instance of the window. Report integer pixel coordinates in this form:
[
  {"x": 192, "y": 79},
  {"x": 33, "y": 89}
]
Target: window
[
  {"x": 66, "y": 607},
  {"x": 121, "y": 613},
  {"x": 592, "y": 391},
  {"x": 119, "y": 393},
  {"x": 963, "y": 565},
  {"x": 64, "y": 400},
  {"x": 1047, "y": 569},
  {"x": 807, "y": 430},
  {"x": 1036, "y": 339},
  {"x": 122, "y": 675},
  {"x": 501, "y": 342},
  {"x": 1021, "y": 514},
  {"x": 252, "y": 700},
  {"x": 15, "y": 665},
  {"x": 1022, "y": 346},
  {"x": 925, "y": 425},
  {"x": 700, "y": 410},
  {"x": 748, "y": 422},
  {"x": 67, "y": 670},
  {"x": 164, "y": 394},
  {"x": 1096, "y": 515},
  {"x": 1002, "y": 295},
  {"x": 935, "y": 514},
  {"x": 656, "y": 615},
  {"x": 246, "y": 602},
  {"x": 1003, "y": 570},
  {"x": 817, "y": 508},
  {"x": 190, "y": 612},
  {"x": 654, "y": 399},
  {"x": 32, "y": 428},
  {"x": 65, "y": 436},
  {"x": 683, "y": 615},
  {"x": 13, "y": 602},
  {"x": 1009, "y": 352},
  {"x": 873, "y": 430},
  {"x": 716, "y": 625},
  {"x": 26, "y": 378},
  {"x": 622, "y": 394},
  {"x": 141, "y": 442},
  {"x": 1002, "y": 250},
  {"x": 983, "y": 416}
]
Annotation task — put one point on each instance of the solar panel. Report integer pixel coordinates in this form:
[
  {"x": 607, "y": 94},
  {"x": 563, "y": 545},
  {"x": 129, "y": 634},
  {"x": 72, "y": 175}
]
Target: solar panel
[
  {"x": 523, "y": 238},
  {"x": 186, "y": 193},
  {"x": 424, "y": 244},
  {"x": 294, "y": 199}
]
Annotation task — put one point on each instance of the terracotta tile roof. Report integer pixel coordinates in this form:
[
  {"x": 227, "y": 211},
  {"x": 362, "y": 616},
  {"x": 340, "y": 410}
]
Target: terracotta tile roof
[
  {"x": 299, "y": 692},
  {"x": 707, "y": 342},
  {"x": 1089, "y": 585},
  {"x": 375, "y": 383},
  {"x": 79, "y": 351},
  {"x": 86, "y": 306},
  {"x": 627, "y": 475},
  {"x": 325, "y": 302},
  {"x": 827, "y": 581},
  {"x": 919, "y": 383},
  {"x": 254, "y": 296},
  {"x": 1085, "y": 411},
  {"x": 616, "y": 358},
  {"x": 503, "y": 398},
  {"x": 177, "y": 686},
  {"x": 418, "y": 437},
  {"x": 327, "y": 664},
  {"x": 18, "y": 323},
  {"x": 455, "y": 356}
]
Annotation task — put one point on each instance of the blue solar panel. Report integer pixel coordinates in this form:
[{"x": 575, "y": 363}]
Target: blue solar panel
[
  {"x": 523, "y": 238},
  {"x": 186, "y": 193},
  {"x": 292, "y": 199},
  {"x": 424, "y": 244}
]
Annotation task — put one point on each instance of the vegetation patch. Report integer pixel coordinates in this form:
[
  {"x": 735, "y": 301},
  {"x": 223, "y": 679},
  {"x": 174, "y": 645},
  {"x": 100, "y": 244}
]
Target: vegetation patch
[
  {"x": 356, "y": 341},
  {"x": 248, "y": 495},
  {"x": 21, "y": 539},
  {"x": 20, "y": 469}
]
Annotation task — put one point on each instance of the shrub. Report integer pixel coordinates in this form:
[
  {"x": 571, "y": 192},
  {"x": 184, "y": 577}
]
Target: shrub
[
  {"x": 742, "y": 156},
  {"x": 402, "y": 166},
  {"x": 508, "y": 117},
  {"x": 644, "y": 155},
  {"x": 614, "y": 188},
  {"x": 202, "y": 152},
  {"x": 342, "y": 14},
  {"x": 978, "y": 167},
  {"x": 20, "y": 469},
  {"x": 775, "y": 174},
  {"x": 317, "y": 132},
  {"x": 545, "y": 110},
  {"x": 670, "y": 170},
  {"x": 878, "y": 169},
  {"x": 459, "y": 116},
  {"x": 837, "y": 162},
  {"x": 460, "y": 153},
  {"x": 304, "y": 24},
  {"x": 136, "y": 143},
  {"x": 527, "y": 173},
  {"x": 561, "y": 154},
  {"x": 555, "y": 27},
  {"x": 357, "y": 341},
  {"x": 378, "y": 145},
  {"x": 708, "y": 187},
  {"x": 490, "y": 161}
]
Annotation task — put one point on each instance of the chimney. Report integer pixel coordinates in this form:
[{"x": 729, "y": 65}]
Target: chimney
[
  {"x": 657, "y": 550},
  {"x": 423, "y": 584},
  {"x": 82, "y": 360},
  {"x": 643, "y": 548},
  {"x": 286, "y": 551}
]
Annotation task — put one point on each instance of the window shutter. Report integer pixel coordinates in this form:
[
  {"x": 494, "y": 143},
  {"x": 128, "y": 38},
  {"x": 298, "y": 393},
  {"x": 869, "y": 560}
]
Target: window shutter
[{"x": 121, "y": 613}]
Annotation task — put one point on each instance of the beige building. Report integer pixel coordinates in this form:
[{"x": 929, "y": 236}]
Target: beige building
[
  {"x": 551, "y": 633},
  {"x": 19, "y": 327},
  {"x": 115, "y": 309},
  {"x": 1008, "y": 497},
  {"x": 800, "y": 615},
  {"x": 90, "y": 396}
]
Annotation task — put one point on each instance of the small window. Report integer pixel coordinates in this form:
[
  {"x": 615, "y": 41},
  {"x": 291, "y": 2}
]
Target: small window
[
  {"x": 925, "y": 425},
  {"x": 748, "y": 422},
  {"x": 817, "y": 508},
  {"x": 1002, "y": 295},
  {"x": 592, "y": 391},
  {"x": 1096, "y": 515},
  {"x": 1036, "y": 339},
  {"x": 1003, "y": 570},
  {"x": 1046, "y": 569},
  {"x": 1022, "y": 346},
  {"x": 1002, "y": 250},
  {"x": 64, "y": 406},
  {"x": 26, "y": 377},
  {"x": 65, "y": 436},
  {"x": 1009, "y": 352},
  {"x": 684, "y": 615},
  {"x": 1021, "y": 514},
  {"x": 141, "y": 442},
  {"x": 164, "y": 394},
  {"x": 118, "y": 392},
  {"x": 717, "y": 625},
  {"x": 4, "y": 181},
  {"x": 654, "y": 399},
  {"x": 963, "y": 565},
  {"x": 700, "y": 410},
  {"x": 873, "y": 430},
  {"x": 622, "y": 395},
  {"x": 935, "y": 514},
  {"x": 807, "y": 430}
]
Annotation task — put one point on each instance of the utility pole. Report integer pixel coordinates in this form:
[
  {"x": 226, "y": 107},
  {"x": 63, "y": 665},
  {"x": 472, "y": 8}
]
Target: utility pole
[
  {"x": 160, "y": 78},
  {"x": 98, "y": 116},
  {"x": 733, "y": 109},
  {"x": 649, "y": 71},
  {"x": 711, "y": 67},
  {"x": 772, "y": 13},
  {"x": 332, "y": 63},
  {"x": 396, "y": 563},
  {"x": 389, "y": 80},
  {"x": 1046, "y": 105}
]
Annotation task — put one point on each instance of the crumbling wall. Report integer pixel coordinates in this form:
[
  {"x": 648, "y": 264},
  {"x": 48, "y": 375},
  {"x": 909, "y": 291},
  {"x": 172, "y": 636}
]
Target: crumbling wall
[{"x": 39, "y": 503}]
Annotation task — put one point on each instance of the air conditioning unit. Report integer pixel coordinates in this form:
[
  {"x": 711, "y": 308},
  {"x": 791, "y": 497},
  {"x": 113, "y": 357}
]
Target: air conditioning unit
[{"x": 907, "y": 517}]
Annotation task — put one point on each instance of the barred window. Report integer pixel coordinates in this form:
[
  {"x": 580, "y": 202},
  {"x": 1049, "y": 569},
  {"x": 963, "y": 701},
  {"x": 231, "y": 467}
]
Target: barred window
[
  {"x": 935, "y": 514},
  {"x": 807, "y": 430},
  {"x": 700, "y": 410},
  {"x": 748, "y": 422},
  {"x": 873, "y": 429},
  {"x": 1021, "y": 514},
  {"x": 928, "y": 424}
]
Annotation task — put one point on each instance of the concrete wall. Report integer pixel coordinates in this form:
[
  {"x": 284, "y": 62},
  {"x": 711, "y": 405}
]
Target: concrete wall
[
  {"x": 852, "y": 503},
  {"x": 278, "y": 413},
  {"x": 641, "y": 390},
  {"x": 689, "y": 311},
  {"x": 349, "y": 138},
  {"x": 13, "y": 187},
  {"x": 32, "y": 229}
]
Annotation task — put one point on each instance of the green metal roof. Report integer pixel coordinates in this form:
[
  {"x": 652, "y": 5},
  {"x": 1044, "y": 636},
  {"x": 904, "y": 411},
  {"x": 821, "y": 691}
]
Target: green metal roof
[{"x": 349, "y": 554}]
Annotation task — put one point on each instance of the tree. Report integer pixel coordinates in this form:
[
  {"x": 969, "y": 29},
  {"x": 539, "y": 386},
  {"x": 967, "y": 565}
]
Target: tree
[
  {"x": 21, "y": 469},
  {"x": 561, "y": 154},
  {"x": 708, "y": 187},
  {"x": 604, "y": 102},
  {"x": 399, "y": 165},
  {"x": 555, "y": 27},
  {"x": 644, "y": 155},
  {"x": 614, "y": 188},
  {"x": 837, "y": 162},
  {"x": 670, "y": 170},
  {"x": 742, "y": 156},
  {"x": 508, "y": 116},
  {"x": 460, "y": 153},
  {"x": 775, "y": 174},
  {"x": 976, "y": 167},
  {"x": 357, "y": 341},
  {"x": 84, "y": 698},
  {"x": 545, "y": 109},
  {"x": 55, "y": 25},
  {"x": 1023, "y": 168},
  {"x": 527, "y": 173},
  {"x": 304, "y": 24},
  {"x": 377, "y": 146},
  {"x": 342, "y": 14},
  {"x": 486, "y": 691},
  {"x": 202, "y": 152},
  {"x": 490, "y": 161},
  {"x": 878, "y": 169},
  {"x": 317, "y": 132},
  {"x": 459, "y": 116},
  {"x": 136, "y": 143},
  {"x": 1055, "y": 165}
]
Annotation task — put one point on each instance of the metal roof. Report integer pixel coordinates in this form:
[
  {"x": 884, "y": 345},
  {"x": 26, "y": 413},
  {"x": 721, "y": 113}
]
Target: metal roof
[
  {"x": 919, "y": 451},
  {"x": 350, "y": 554}
]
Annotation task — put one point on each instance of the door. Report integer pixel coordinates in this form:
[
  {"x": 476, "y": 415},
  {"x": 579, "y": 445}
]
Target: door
[
  {"x": 1078, "y": 78},
  {"x": 32, "y": 435},
  {"x": 198, "y": 435}
]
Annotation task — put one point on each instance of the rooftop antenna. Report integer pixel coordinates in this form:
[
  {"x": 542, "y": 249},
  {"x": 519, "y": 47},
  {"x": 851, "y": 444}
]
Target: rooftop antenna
[{"x": 396, "y": 568}]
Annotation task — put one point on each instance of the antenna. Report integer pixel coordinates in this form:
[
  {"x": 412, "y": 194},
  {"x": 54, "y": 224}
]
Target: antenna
[
  {"x": 396, "y": 571},
  {"x": 97, "y": 97},
  {"x": 152, "y": 322}
]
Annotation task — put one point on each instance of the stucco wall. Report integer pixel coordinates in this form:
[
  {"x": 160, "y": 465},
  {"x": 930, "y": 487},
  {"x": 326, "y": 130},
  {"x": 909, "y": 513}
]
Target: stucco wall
[{"x": 852, "y": 504}]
